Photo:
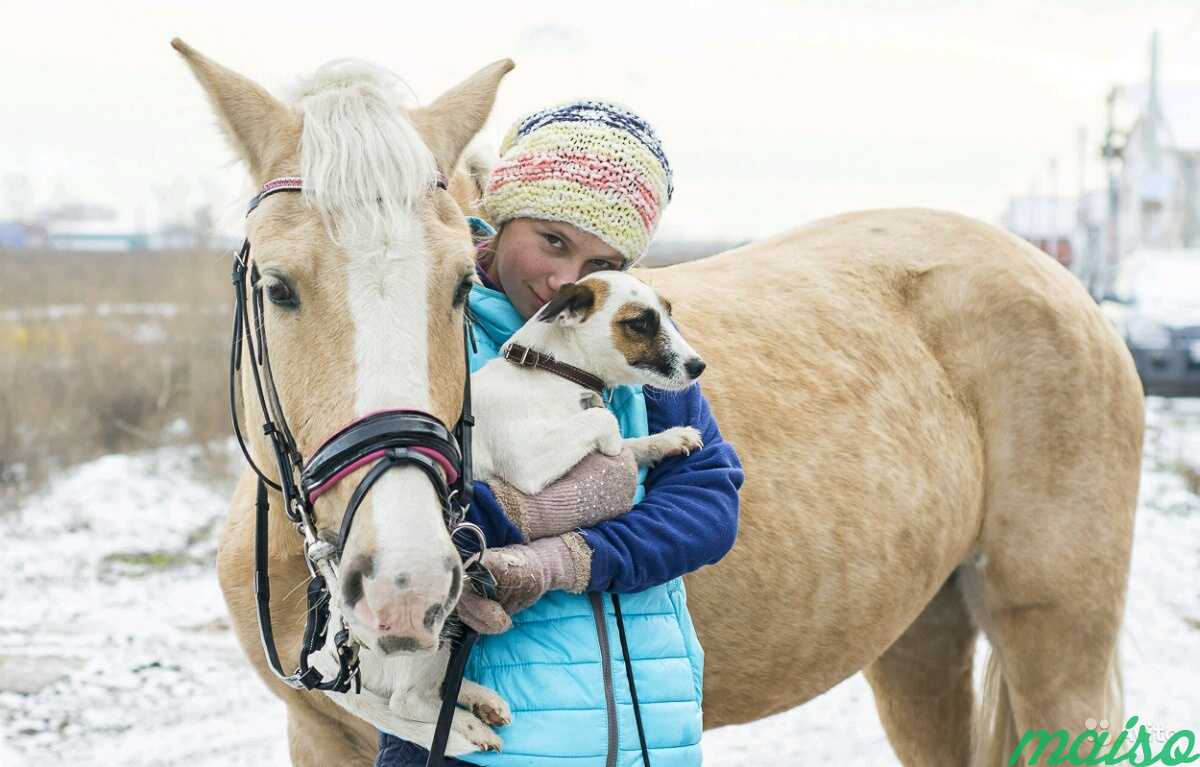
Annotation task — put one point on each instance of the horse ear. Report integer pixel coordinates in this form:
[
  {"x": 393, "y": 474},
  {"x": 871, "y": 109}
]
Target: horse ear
[
  {"x": 254, "y": 120},
  {"x": 450, "y": 122},
  {"x": 571, "y": 305}
]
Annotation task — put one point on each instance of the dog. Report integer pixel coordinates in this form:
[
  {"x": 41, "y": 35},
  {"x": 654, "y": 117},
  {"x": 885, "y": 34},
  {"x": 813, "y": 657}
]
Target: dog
[
  {"x": 539, "y": 411},
  {"x": 532, "y": 428}
]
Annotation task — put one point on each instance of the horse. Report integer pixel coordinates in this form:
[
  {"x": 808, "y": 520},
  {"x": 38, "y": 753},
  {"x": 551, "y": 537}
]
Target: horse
[{"x": 941, "y": 435}]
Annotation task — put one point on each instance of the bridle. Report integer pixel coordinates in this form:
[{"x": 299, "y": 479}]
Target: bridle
[{"x": 383, "y": 440}]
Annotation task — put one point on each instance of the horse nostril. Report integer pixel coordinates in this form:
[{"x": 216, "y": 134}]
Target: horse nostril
[
  {"x": 694, "y": 367},
  {"x": 431, "y": 615},
  {"x": 352, "y": 581}
]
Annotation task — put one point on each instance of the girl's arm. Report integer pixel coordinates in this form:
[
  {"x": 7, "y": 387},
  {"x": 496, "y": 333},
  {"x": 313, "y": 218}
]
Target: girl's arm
[{"x": 688, "y": 517}]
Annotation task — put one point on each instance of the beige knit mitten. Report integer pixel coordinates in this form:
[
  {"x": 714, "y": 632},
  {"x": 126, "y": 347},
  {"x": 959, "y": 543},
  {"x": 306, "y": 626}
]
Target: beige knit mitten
[{"x": 598, "y": 488}]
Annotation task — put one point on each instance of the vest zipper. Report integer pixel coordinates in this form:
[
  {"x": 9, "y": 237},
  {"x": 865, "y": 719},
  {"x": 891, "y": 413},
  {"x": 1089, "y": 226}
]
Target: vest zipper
[{"x": 606, "y": 664}]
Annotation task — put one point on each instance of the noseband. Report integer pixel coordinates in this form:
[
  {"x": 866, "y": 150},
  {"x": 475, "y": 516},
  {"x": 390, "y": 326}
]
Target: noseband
[{"x": 383, "y": 440}]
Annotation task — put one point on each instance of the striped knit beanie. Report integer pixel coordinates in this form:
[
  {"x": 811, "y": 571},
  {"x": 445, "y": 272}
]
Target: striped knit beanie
[{"x": 591, "y": 164}]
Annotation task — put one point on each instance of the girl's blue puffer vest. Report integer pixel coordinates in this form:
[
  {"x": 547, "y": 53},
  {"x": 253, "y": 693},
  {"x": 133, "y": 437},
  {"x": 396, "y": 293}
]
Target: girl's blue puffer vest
[{"x": 560, "y": 666}]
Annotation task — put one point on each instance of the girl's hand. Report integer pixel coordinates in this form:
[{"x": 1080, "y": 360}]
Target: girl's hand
[{"x": 523, "y": 574}]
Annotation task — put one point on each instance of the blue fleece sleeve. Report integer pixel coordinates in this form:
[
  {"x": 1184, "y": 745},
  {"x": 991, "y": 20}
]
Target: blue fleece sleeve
[
  {"x": 688, "y": 517},
  {"x": 486, "y": 511}
]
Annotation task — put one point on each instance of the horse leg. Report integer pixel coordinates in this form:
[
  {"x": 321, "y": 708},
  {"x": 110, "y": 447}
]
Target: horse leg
[
  {"x": 1048, "y": 589},
  {"x": 316, "y": 739},
  {"x": 922, "y": 684},
  {"x": 1054, "y": 661}
]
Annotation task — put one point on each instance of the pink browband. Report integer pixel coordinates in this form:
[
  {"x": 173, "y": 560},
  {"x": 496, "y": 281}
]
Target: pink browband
[
  {"x": 284, "y": 182},
  {"x": 297, "y": 183}
]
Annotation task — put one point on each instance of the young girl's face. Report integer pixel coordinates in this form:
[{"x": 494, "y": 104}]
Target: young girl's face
[{"x": 535, "y": 258}]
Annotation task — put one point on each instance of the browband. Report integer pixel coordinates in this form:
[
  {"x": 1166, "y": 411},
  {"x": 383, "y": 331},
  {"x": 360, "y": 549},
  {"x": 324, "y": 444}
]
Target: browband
[
  {"x": 369, "y": 438},
  {"x": 296, "y": 184}
]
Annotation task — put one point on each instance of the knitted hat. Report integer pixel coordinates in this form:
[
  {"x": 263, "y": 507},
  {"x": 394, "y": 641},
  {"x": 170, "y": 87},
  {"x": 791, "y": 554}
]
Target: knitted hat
[{"x": 591, "y": 164}]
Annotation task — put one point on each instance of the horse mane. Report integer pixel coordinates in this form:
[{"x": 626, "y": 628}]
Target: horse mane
[{"x": 363, "y": 162}]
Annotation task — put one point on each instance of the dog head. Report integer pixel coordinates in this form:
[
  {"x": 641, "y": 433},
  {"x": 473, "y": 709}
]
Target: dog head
[{"x": 616, "y": 327}]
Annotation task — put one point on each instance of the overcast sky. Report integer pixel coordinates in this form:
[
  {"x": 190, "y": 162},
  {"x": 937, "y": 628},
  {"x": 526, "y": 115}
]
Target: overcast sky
[{"x": 772, "y": 113}]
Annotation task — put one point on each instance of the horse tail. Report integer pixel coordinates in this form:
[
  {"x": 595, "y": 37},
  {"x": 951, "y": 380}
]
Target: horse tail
[{"x": 995, "y": 723}]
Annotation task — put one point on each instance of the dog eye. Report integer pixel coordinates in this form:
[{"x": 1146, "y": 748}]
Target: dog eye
[
  {"x": 644, "y": 324},
  {"x": 280, "y": 293}
]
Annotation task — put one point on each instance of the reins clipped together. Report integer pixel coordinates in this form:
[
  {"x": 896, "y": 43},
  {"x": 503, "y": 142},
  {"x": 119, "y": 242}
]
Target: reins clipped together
[{"x": 383, "y": 440}]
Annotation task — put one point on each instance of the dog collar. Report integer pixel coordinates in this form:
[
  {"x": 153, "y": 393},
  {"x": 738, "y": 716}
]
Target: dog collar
[{"x": 525, "y": 357}]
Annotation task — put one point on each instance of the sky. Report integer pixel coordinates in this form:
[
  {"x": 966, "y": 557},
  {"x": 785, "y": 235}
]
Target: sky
[{"x": 772, "y": 113}]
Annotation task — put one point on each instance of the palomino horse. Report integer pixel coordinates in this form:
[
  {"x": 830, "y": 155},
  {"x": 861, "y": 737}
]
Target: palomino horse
[{"x": 940, "y": 432}]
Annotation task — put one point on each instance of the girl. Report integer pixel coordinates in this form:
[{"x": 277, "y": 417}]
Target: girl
[{"x": 580, "y": 188}]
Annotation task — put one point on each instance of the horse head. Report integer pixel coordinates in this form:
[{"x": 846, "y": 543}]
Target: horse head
[{"x": 364, "y": 279}]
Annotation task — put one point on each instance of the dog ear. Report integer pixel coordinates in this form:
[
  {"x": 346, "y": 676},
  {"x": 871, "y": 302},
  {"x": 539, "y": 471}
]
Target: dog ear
[{"x": 570, "y": 306}]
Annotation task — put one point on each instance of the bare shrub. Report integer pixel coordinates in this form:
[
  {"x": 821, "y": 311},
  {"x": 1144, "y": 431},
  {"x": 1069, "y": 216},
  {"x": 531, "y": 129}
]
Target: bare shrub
[{"x": 103, "y": 353}]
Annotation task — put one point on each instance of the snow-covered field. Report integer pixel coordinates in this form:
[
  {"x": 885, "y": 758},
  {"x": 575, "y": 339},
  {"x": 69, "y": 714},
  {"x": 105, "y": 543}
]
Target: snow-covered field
[{"x": 115, "y": 648}]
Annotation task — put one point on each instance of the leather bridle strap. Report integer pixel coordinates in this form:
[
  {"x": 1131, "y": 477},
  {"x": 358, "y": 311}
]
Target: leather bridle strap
[
  {"x": 394, "y": 457},
  {"x": 317, "y": 625},
  {"x": 633, "y": 696}
]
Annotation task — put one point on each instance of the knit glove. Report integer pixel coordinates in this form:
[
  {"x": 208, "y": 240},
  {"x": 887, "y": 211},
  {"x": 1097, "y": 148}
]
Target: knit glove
[
  {"x": 598, "y": 488},
  {"x": 523, "y": 573}
]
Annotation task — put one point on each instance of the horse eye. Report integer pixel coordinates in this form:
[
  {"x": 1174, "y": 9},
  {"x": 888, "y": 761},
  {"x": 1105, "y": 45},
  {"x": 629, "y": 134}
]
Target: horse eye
[
  {"x": 463, "y": 290},
  {"x": 281, "y": 294}
]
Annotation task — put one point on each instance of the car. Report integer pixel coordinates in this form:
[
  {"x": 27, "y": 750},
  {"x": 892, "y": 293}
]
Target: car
[{"x": 1155, "y": 306}]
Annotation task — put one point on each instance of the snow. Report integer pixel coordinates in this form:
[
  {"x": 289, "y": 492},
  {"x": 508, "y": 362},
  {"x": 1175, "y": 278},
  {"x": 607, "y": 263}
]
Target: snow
[
  {"x": 151, "y": 673},
  {"x": 131, "y": 661}
]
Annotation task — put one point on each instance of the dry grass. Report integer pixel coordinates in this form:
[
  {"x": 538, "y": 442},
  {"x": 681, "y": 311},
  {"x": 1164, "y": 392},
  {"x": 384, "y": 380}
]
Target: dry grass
[{"x": 108, "y": 352}]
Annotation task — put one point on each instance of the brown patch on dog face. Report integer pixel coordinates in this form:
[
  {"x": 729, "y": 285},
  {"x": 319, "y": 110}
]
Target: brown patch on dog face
[
  {"x": 637, "y": 335},
  {"x": 578, "y": 299}
]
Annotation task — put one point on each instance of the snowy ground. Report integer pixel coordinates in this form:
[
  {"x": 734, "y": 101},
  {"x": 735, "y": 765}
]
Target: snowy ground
[{"x": 115, "y": 648}]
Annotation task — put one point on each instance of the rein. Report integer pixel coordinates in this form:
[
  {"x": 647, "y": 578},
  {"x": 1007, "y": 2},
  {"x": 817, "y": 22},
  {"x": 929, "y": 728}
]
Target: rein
[{"x": 383, "y": 440}]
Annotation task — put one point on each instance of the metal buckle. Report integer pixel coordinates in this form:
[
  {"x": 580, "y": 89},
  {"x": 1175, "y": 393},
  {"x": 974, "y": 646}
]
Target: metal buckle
[
  {"x": 475, "y": 529},
  {"x": 237, "y": 256}
]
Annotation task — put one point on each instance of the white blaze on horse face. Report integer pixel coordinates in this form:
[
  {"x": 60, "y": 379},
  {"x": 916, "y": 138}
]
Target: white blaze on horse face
[{"x": 406, "y": 539}]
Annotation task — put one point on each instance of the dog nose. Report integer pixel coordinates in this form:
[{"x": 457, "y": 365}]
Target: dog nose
[{"x": 694, "y": 367}]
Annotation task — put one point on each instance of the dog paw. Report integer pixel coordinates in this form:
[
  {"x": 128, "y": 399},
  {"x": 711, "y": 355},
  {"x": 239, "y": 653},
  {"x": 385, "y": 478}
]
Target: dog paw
[
  {"x": 482, "y": 737},
  {"x": 681, "y": 440},
  {"x": 610, "y": 445},
  {"x": 494, "y": 712},
  {"x": 607, "y": 433}
]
